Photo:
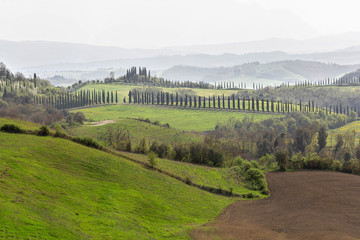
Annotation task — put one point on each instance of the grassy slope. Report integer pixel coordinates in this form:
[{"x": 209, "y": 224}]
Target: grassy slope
[
  {"x": 354, "y": 126},
  {"x": 56, "y": 189},
  {"x": 138, "y": 129},
  {"x": 22, "y": 124},
  {"x": 183, "y": 119},
  {"x": 224, "y": 178}
]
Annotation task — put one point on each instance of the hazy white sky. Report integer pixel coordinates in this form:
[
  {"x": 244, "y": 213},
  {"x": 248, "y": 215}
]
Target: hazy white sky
[{"x": 158, "y": 23}]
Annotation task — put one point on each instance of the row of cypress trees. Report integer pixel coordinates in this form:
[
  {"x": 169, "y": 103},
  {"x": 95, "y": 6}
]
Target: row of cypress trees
[
  {"x": 232, "y": 102},
  {"x": 78, "y": 99}
]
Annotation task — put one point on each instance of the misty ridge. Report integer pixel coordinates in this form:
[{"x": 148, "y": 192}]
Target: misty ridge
[{"x": 277, "y": 60}]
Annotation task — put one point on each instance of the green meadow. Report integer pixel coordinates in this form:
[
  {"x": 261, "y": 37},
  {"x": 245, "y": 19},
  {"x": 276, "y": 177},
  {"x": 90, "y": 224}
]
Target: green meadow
[
  {"x": 20, "y": 123},
  {"x": 179, "y": 118},
  {"x": 222, "y": 178},
  {"x": 137, "y": 129},
  {"x": 52, "y": 188}
]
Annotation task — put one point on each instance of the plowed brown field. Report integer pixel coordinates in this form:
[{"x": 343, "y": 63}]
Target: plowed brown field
[{"x": 302, "y": 205}]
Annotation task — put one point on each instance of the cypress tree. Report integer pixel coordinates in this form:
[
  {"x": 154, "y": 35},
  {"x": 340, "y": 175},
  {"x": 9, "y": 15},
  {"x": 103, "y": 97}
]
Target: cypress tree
[{"x": 223, "y": 101}]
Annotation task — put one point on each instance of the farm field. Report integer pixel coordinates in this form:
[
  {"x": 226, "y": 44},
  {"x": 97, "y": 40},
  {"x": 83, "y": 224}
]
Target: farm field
[
  {"x": 137, "y": 129},
  {"x": 351, "y": 127},
  {"x": 179, "y": 118},
  {"x": 224, "y": 178},
  {"x": 302, "y": 205},
  {"x": 52, "y": 188}
]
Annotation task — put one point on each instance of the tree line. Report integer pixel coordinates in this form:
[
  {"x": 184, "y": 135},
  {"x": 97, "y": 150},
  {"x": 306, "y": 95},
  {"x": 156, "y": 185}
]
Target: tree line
[{"x": 234, "y": 102}]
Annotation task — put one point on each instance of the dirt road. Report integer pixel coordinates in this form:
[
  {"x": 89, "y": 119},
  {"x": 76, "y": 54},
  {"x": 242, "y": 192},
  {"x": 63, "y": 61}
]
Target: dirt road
[{"x": 302, "y": 205}]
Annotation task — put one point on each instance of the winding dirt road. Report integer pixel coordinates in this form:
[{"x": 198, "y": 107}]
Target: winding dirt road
[{"x": 303, "y": 205}]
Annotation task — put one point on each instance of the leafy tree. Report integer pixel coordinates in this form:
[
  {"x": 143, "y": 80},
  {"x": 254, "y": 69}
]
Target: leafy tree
[
  {"x": 322, "y": 137},
  {"x": 152, "y": 158},
  {"x": 282, "y": 158}
]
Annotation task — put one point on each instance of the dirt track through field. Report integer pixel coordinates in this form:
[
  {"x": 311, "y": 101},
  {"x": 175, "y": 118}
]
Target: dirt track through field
[{"x": 302, "y": 205}]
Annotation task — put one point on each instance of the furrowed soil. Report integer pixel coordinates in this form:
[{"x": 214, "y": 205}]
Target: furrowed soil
[{"x": 303, "y": 205}]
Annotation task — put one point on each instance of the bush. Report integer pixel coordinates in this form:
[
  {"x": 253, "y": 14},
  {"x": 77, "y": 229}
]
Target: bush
[
  {"x": 188, "y": 181},
  {"x": 141, "y": 146},
  {"x": 87, "y": 141},
  {"x": 152, "y": 158},
  {"x": 268, "y": 161},
  {"x": 255, "y": 179},
  {"x": 43, "y": 131},
  {"x": 79, "y": 117},
  {"x": 11, "y": 128},
  {"x": 59, "y": 133},
  {"x": 336, "y": 165}
]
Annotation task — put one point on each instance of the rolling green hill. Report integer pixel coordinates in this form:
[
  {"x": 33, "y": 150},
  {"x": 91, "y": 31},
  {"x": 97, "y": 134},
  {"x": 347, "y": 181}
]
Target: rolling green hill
[
  {"x": 221, "y": 178},
  {"x": 123, "y": 90},
  {"x": 52, "y": 188},
  {"x": 183, "y": 119},
  {"x": 138, "y": 129}
]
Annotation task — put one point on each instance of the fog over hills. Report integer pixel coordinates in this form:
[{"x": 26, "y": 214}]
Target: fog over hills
[
  {"x": 271, "y": 73},
  {"x": 77, "y": 61}
]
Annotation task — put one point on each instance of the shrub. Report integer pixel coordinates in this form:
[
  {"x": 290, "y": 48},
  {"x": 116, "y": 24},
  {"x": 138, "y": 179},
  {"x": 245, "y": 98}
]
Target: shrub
[
  {"x": 297, "y": 161},
  {"x": 312, "y": 161},
  {"x": 11, "y": 128},
  {"x": 254, "y": 164},
  {"x": 79, "y": 117},
  {"x": 87, "y": 141},
  {"x": 268, "y": 161},
  {"x": 141, "y": 146},
  {"x": 255, "y": 179},
  {"x": 43, "y": 131},
  {"x": 188, "y": 181},
  {"x": 250, "y": 195},
  {"x": 152, "y": 158},
  {"x": 336, "y": 165}
]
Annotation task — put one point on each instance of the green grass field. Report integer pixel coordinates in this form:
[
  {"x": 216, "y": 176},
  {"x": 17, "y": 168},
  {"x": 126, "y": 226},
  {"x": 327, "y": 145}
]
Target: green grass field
[
  {"x": 20, "y": 123},
  {"x": 123, "y": 90},
  {"x": 224, "y": 178},
  {"x": 354, "y": 126},
  {"x": 138, "y": 129},
  {"x": 52, "y": 188},
  {"x": 183, "y": 119}
]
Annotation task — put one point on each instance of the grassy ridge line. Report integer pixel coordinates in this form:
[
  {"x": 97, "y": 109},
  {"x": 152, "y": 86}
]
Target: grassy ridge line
[
  {"x": 55, "y": 189},
  {"x": 117, "y": 153}
]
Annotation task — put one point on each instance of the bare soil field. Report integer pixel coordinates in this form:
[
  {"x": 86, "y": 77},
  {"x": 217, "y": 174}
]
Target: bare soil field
[{"x": 302, "y": 205}]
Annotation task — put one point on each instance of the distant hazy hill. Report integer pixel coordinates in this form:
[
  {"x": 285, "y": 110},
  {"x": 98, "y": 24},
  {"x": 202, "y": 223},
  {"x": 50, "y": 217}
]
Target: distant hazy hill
[
  {"x": 353, "y": 74},
  {"x": 25, "y": 54},
  {"x": 283, "y": 71},
  {"x": 38, "y": 53}
]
